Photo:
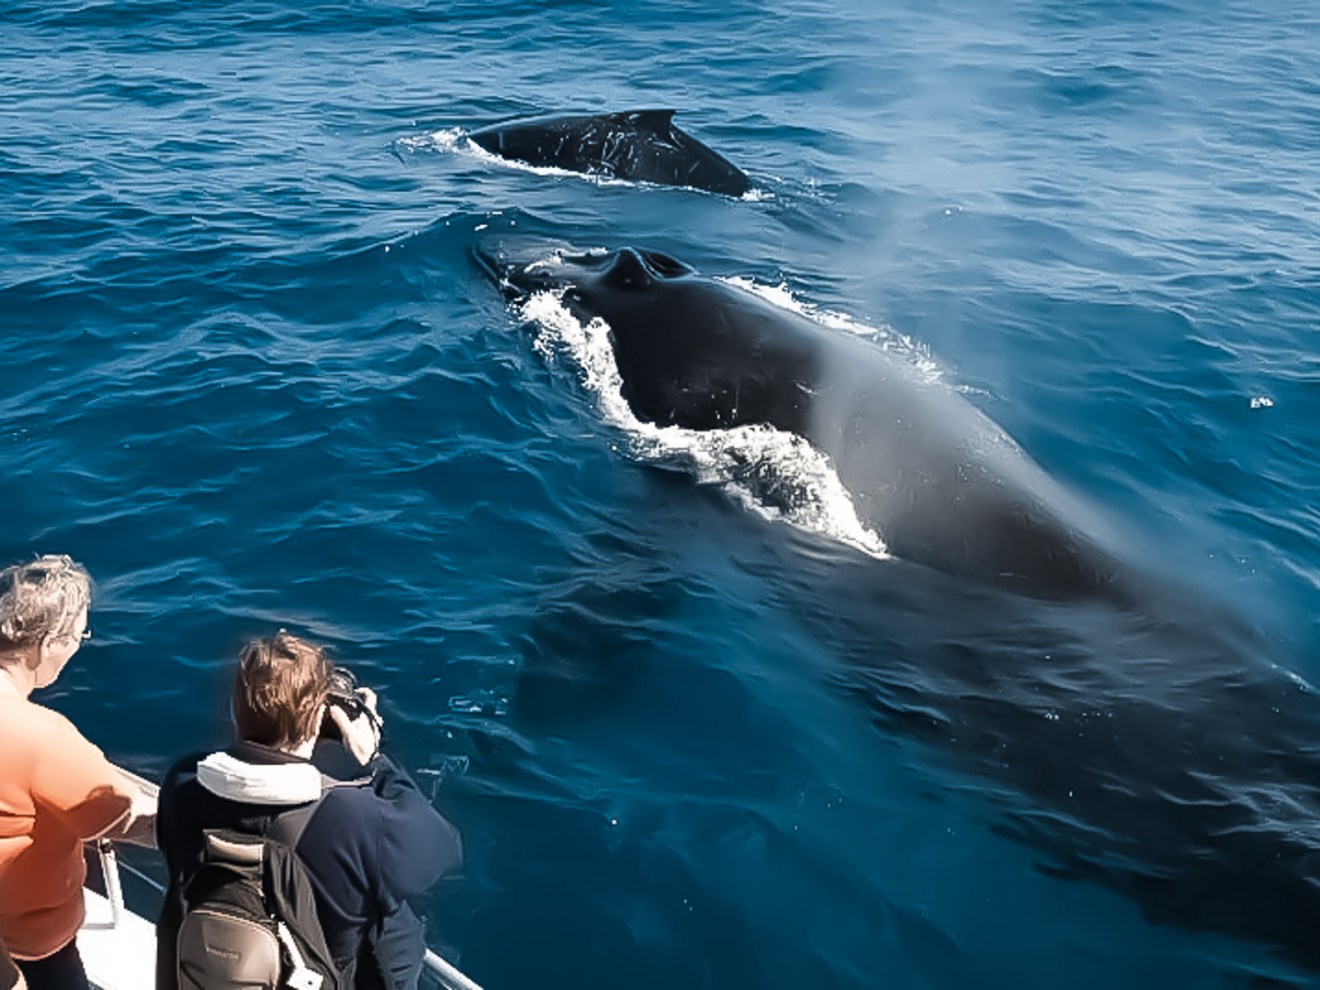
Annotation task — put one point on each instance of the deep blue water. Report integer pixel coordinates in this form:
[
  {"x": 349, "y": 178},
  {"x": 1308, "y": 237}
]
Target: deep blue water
[{"x": 252, "y": 377}]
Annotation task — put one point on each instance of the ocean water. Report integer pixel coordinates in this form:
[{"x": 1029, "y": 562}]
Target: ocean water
[{"x": 696, "y": 733}]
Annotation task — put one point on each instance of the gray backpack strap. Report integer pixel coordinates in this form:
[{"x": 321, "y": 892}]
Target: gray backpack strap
[
  {"x": 293, "y": 898},
  {"x": 288, "y": 826}
]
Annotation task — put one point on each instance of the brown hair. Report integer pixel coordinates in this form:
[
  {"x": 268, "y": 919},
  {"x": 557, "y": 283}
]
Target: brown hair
[
  {"x": 281, "y": 686},
  {"x": 42, "y": 599}
]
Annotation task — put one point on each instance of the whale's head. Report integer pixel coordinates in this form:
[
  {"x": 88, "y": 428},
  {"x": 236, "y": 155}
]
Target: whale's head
[
  {"x": 545, "y": 268},
  {"x": 690, "y": 351}
]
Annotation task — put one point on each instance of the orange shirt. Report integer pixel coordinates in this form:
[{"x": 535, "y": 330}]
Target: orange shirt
[{"x": 56, "y": 790}]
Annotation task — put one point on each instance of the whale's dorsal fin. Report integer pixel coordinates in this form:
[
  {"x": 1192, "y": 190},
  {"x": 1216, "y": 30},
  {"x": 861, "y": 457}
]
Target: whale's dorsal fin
[{"x": 655, "y": 121}]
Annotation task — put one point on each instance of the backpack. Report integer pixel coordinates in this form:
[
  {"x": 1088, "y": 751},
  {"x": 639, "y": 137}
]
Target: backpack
[{"x": 250, "y": 917}]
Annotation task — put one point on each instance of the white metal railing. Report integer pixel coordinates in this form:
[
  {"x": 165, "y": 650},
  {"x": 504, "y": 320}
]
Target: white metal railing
[
  {"x": 114, "y": 890},
  {"x": 449, "y": 976}
]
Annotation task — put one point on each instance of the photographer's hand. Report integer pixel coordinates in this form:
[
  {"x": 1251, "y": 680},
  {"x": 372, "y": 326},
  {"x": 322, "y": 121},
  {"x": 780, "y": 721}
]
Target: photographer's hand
[{"x": 361, "y": 735}]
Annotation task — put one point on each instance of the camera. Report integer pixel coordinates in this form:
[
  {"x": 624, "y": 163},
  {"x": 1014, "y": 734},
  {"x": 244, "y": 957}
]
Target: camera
[{"x": 343, "y": 695}]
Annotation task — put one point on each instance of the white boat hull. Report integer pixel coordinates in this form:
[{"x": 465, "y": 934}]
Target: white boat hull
[{"x": 118, "y": 948}]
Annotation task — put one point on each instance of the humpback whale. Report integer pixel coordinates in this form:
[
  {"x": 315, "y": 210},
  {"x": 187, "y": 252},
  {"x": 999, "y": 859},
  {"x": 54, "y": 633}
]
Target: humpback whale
[
  {"x": 641, "y": 145},
  {"x": 1146, "y": 742},
  {"x": 939, "y": 482}
]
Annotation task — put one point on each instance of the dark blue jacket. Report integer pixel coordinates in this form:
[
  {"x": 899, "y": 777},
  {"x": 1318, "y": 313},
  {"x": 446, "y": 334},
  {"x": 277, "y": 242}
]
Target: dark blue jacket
[{"x": 368, "y": 847}]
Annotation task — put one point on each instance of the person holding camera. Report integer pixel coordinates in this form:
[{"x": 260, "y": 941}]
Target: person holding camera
[{"x": 306, "y": 734}]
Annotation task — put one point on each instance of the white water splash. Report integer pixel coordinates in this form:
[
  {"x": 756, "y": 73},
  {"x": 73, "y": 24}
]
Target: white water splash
[
  {"x": 773, "y": 473},
  {"x": 448, "y": 140}
]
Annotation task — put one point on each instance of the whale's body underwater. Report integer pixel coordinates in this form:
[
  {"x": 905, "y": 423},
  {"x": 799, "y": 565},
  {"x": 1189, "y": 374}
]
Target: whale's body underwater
[
  {"x": 639, "y": 145},
  {"x": 1149, "y": 747}
]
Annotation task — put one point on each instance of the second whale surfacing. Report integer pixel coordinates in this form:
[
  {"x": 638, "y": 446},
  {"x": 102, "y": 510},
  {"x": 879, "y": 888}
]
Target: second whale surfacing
[
  {"x": 639, "y": 145},
  {"x": 1144, "y": 741}
]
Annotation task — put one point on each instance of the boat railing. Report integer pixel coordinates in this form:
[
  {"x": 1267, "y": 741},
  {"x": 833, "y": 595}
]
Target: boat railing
[{"x": 437, "y": 967}]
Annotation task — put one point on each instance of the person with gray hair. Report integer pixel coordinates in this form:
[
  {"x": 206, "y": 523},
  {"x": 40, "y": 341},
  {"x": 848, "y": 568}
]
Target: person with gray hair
[{"x": 57, "y": 790}]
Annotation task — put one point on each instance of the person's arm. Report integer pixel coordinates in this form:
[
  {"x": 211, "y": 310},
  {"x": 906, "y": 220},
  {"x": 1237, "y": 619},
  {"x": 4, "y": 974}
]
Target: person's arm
[
  {"x": 139, "y": 827},
  {"x": 417, "y": 845},
  {"x": 73, "y": 779}
]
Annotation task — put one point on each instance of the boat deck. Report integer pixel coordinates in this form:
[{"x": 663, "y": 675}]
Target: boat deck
[{"x": 118, "y": 946}]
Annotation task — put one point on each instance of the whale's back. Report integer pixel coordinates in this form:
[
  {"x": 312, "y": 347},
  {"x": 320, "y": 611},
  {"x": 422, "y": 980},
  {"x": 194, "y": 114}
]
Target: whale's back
[{"x": 945, "y": 485}]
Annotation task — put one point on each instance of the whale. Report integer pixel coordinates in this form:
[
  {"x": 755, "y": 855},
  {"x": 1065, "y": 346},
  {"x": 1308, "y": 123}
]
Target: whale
[
  {"x": 938, "y": 481},
  {"x": 1125, "y": 729},
  {"x": 638, "y": 145}
]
